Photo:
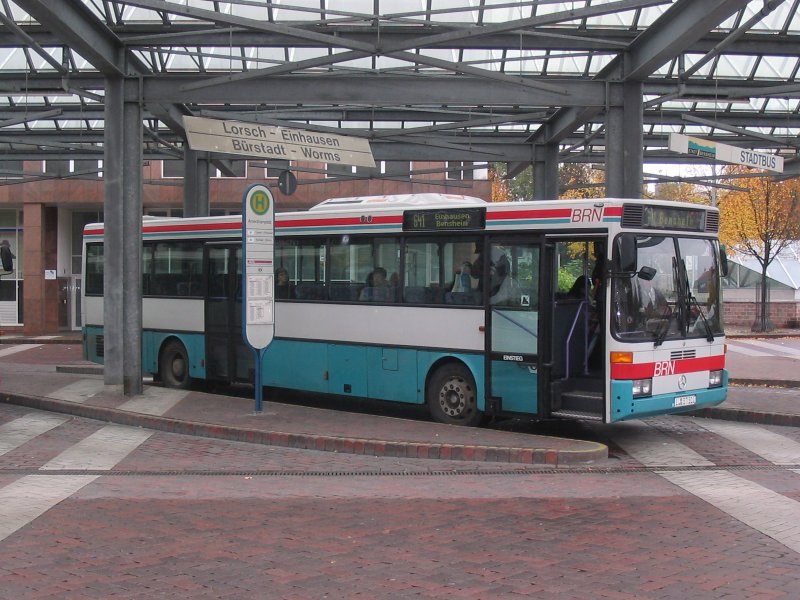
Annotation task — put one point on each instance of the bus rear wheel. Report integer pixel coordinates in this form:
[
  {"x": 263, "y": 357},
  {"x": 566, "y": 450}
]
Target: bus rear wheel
[
  {"x": 173, "y": 367},
  {"x": 452, "y": 397}
]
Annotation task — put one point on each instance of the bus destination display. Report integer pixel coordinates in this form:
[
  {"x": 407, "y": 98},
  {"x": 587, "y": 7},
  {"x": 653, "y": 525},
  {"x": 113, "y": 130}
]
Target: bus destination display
[
  {"x": 451, "y": 219},
  {"x": 661, "y": 217}
]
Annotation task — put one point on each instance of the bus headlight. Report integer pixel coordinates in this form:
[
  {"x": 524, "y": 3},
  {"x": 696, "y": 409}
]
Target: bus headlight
[
  {"x": 715, "y": 378},
  {"x": 642, "y": 387}
]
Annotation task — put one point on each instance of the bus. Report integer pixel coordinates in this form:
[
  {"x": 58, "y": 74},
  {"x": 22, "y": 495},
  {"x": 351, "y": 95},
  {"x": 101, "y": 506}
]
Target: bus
[{"x": 601, "y": 309}]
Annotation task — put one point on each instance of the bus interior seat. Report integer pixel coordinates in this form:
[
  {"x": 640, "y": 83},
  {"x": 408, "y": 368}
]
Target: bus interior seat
[
  {"x": 418, "y": 295},
  {"x": 310, "y": 291},
  {"x": 344, "y": 292}
]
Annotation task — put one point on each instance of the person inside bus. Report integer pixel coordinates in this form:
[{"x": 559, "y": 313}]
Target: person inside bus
[
  {"x": 463, "y": 280},
  {"x": 377, "y": 288},
  {"x": 503, "y": 289},
  {"x": 579, "y": 289},
  {"x": 283, "y": 287}
]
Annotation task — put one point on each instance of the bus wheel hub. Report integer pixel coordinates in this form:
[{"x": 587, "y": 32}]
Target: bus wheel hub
[{"x": 451, "y": 399}]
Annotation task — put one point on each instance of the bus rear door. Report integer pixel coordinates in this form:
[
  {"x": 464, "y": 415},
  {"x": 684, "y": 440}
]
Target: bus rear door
[{"x": 227, "y": 356}]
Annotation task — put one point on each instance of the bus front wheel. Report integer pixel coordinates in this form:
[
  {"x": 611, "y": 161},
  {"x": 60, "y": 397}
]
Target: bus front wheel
[
  {"x": 452, "y": 397},
  {"x": 174, "y": 366}
]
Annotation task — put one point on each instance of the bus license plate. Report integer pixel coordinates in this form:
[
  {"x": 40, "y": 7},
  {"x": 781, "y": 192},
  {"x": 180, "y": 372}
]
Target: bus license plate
[{"x": 684, "y": 401}]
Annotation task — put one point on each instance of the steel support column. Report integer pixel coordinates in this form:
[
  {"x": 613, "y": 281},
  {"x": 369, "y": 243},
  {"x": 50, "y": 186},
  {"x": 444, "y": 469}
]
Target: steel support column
[
  {"x": 545, "y": 172},
  {"x": 122, "y": 282},
  {"x": 624, "y": 140},
  {"x": 195, "y": 184}
]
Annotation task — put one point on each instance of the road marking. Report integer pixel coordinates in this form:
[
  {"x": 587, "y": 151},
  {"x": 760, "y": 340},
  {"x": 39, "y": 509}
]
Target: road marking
[
  {"x": 30, "y": 497},
  {"x": 17, "y": 348},
  {"x": 101, "y": 450},
  {"x": 739, "y": 349},
  {"x": 762, "y": 509},
  {"x": 79, "y": 391},
  {"x": 22, "y": 430},
  {"x": 776, "y": 448},
  {"x": 155, "y": 401},
  {"x": 653, "y": 448}
]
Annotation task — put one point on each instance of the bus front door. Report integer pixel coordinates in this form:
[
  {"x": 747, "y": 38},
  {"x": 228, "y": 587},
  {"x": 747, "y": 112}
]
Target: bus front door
[
  {"x": 227, "y": 357},
  {"x": 513, "y": 317}
]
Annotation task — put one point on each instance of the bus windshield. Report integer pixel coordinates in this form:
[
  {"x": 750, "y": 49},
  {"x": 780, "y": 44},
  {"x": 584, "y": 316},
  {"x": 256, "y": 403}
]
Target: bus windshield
[{"x": 673, "y": 295}]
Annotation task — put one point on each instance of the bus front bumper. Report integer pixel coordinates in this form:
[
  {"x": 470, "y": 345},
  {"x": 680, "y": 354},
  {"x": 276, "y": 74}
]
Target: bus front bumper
[{"x": 624, "y": 406}]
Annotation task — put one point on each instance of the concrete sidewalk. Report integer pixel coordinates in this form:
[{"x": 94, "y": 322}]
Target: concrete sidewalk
[{"x": 78, "y": 389}]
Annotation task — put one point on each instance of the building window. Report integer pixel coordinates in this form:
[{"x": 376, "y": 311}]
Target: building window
[
  {"x": 172, "y": 169},
  {"x": 11, "y": 169},
  {"x": 334, "y": 170},
  {"x": 460, "y": 170},
  {"x": 398, "y": 168},
  {"x": 56, "y": 168},
  {"x": 239, "y": 168},
  {"x": 86, "y": 168},
  {"x": 276, "y": 166}
]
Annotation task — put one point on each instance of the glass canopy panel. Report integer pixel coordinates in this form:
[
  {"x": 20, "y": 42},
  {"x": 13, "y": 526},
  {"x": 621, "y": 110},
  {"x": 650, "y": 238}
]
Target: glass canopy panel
[
  {"x": 778, "y": 68},
  {"x": 452, "y": 11},
  {"x": 350, "y": 10},
  {"x": 14, "y": 61},
  {"x": 296, "y": 10}
]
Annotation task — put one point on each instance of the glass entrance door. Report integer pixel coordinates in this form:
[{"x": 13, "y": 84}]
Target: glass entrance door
[{"x": 512, "y": 284}]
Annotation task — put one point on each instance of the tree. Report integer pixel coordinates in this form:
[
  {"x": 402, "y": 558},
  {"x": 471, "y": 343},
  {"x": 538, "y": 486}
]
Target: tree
[
  {"x": 680, "y": 191},
  {"x": 501, "y": 191},
  {"x": 760, "y": 222},
  {"x": 519, "y": 187},
  {"x": 576, "y": 180},
  {"x": 581, "y": 180}
]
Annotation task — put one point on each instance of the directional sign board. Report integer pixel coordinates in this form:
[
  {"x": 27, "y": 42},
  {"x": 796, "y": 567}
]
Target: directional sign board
[
  {"x": 258, "y": 234},
  {"x": 730, "y": 154},
  {"x": 253, "y": 139}
]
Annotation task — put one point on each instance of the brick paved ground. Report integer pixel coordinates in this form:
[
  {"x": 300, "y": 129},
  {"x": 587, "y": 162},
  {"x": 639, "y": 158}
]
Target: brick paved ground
[
  {"x": 140, "y": 538},
  {"x": 185, "y": 517},
  {"x": 342, "y": 530}
]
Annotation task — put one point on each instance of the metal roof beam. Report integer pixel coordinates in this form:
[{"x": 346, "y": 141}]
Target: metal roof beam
[
  {"x": 681, "y": 25},
  {"x": 79, "y": 29},
  {"x": 745, "y": 132}
]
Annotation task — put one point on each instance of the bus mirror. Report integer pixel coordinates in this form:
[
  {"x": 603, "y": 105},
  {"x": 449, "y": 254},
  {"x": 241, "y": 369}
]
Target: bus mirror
[
  {"x": 626, "y": 244},
  {"x": 646, "y": 273},
  {"x": 723, "y": 261}
]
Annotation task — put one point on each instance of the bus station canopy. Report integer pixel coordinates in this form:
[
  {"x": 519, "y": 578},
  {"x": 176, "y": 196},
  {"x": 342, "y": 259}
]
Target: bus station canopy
[{"x": 437, "y": 80}]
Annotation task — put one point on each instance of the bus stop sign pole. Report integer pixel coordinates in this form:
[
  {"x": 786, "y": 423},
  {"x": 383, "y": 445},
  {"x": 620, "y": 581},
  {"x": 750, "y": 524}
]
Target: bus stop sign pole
[{"x": 258, "y": 302}]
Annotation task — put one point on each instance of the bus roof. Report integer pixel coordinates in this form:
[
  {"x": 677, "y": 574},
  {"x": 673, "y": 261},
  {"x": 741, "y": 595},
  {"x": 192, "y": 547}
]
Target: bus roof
[
  {"x": 399, "y": 200},
  {"x": 371, "y": 214}
]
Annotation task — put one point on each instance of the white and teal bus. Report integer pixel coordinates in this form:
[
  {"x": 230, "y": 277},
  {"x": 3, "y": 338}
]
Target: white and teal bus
[{"x": 592, "y": 309}]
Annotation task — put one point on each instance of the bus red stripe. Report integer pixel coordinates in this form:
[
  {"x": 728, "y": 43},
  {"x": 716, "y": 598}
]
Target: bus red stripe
[
  {"x": 551, "y": 213},
  {"x": 376, "y": 220},
  {"x": 647, "y": 370},
  {"x": 192, "y": 227}
]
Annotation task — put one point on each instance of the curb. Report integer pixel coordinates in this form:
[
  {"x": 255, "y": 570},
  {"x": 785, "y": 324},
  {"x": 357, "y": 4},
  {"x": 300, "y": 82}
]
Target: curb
[
  {"x": 32, "y": 340},
  {"x": 304, "y": 441},
  {"x": 744, "y": 415},
  {"x": 785, "y": 383}
]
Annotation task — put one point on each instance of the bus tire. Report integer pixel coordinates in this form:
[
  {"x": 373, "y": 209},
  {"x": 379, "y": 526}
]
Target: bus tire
[
  {"x": 452, "y": 396},
  {"x": 173, "y": 366}
]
